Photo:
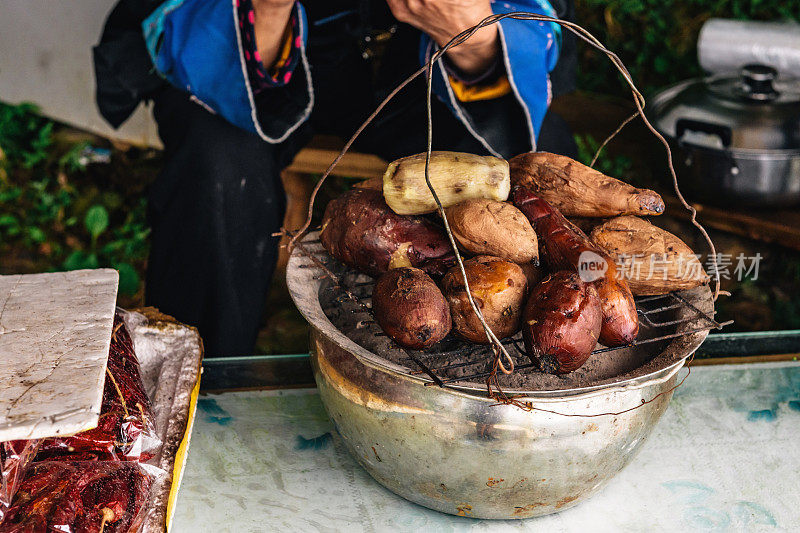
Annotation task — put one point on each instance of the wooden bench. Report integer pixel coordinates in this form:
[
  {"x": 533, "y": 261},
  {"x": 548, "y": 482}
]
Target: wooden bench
[{"x": 315, "y": 159}]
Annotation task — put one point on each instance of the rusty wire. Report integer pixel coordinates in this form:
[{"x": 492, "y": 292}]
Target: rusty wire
[
  {"x": 611, "y": 137},
  {"x": 639, "y": 102},
  {"x": 499, "y": 350},
  {"x": 503, "y": 399},
  {"x": 582, "y": 34}
]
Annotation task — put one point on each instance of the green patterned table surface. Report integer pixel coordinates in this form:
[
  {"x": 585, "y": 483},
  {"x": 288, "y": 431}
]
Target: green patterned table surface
[{"x": 725, "y": 457}]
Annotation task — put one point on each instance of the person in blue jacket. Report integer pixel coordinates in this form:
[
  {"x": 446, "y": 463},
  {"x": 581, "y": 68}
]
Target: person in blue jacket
[{"x": 239, "y": 87}]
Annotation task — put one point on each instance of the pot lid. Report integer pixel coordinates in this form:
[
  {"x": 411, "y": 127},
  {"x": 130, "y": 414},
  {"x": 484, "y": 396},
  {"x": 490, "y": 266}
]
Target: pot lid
[{"x": 752, "y": 110}]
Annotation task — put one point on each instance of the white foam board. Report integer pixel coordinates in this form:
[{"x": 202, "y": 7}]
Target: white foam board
[{"x": 55, "y": 331}]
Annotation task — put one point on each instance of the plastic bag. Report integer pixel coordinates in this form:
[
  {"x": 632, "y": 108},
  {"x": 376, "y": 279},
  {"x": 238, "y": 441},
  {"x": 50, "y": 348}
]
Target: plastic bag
[
  {"x": 125, "y": 430},
  {"x": 14, "y": 458},
  {"x": 81, "y": 497}
]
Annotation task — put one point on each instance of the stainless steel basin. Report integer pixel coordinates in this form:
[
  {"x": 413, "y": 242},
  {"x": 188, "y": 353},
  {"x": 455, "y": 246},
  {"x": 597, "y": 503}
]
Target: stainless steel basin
[{"x": 457, "y": 451}]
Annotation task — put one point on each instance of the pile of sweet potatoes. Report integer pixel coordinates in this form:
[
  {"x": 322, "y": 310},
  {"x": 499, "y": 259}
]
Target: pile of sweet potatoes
[{"x": 503, "y": 216}]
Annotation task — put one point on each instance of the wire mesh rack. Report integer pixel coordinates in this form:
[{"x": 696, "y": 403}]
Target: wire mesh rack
[{"x": 346, "y": 297}]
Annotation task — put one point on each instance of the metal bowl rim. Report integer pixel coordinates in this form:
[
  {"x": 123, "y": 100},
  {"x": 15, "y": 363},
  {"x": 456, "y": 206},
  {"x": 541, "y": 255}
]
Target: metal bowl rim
[{"x": 304, "y": 290}]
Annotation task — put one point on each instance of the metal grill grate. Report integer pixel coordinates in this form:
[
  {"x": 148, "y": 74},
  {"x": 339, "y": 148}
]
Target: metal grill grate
[{"x": 347, "y": 292}]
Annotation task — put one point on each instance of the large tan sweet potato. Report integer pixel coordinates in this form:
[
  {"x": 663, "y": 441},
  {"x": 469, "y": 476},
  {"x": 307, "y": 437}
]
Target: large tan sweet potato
[
  {"x": 653, "y": 261},
  {"x": 577, "y": 190},
  {"x": 499, "y": 289},
  {"x": 499, "y": 229}
]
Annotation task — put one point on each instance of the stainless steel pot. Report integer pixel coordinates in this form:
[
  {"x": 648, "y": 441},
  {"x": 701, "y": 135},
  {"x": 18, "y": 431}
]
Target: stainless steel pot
[
  {"x": 736, "y": 139},
  {"x": 457, "y": 451}
]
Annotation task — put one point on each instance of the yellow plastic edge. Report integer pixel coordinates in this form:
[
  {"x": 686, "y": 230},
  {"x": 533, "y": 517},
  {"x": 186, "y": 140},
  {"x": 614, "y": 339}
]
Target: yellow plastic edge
[{"x": 180, "y": 455}]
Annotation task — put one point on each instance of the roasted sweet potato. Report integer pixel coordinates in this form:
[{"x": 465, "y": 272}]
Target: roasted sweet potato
[
  {"x": 410, "y": 308},
  {"x": 455, "y": 177},
  {"x": 360, "y": 230},
  {"x": 567, "y": 248},
  {"x": 577, "y": 190},
  {"x": 561, "y": 322},
  {"x": 374, "y": 184},
  {"x": 488, "y": 227},
  {"x": 586, "y": 224},
  {"x": 653, "y": 261},
  {"x": 533, "y": 273},
  {"x": 498, "y": 288},
  {"x": 620, "y": 319}
]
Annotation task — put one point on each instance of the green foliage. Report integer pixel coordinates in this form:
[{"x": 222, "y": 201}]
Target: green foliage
[
  {"x": 126, "y": 242},
  {"x": 128, "y": 278},
  {"x": 657, "y": 39},
  {"x": 29, "y": 209},
  {"x": 79, "y": 259},
  {"x": 72, "y": 161},
  {"x": 24, "y": 135},
  {"x": 96, "y": 221},
  {"x": 122, "y": 244},
  {"x": 617, "y": 166},
  {"x": 55, "y": 213}
]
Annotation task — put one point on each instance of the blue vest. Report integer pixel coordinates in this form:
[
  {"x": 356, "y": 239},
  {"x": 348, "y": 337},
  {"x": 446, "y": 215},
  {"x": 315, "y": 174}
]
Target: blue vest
[{"x": 196, "y": 46}]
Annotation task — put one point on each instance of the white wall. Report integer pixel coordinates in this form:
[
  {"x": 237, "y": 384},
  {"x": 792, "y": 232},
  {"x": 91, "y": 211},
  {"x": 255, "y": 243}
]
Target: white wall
[{"x": 46, "y": 58}]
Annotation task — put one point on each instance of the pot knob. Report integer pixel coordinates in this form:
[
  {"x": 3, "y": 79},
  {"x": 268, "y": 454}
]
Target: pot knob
[{"x": 757, "y": 82}]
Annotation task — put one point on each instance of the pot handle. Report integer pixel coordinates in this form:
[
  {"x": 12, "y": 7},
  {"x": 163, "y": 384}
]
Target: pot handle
[{"x": 686, "y": 124}]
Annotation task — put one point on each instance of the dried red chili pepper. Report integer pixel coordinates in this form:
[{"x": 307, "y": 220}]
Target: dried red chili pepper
[
  {"x": 80, "y": 497},
  {"x": 125, "y": 429},
  {"x": 14, "y": 458}
]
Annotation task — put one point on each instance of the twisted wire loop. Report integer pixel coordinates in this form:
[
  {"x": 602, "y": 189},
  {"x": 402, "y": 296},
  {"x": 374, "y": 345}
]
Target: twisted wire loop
[{"x": 501, "y": 356}]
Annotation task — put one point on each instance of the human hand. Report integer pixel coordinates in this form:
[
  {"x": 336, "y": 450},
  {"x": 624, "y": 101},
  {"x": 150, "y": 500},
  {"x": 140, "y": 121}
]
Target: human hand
[{"x": 444, "y": 19}]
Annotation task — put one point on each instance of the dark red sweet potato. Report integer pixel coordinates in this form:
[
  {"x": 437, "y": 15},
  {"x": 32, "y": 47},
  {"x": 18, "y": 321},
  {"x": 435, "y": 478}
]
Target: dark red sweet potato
[
  {"x": 410, "y": 308},
  {"x": 360, "y": 230},
  {"x": 567, "y": 248},
  {"x": 561, "y": 322}
]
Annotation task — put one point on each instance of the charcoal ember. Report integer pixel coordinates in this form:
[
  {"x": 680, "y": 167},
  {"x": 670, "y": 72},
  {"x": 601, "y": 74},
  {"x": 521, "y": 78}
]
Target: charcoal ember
[
  {"x": 80, "y": 497},
  {"x": 125, "y": 429}
]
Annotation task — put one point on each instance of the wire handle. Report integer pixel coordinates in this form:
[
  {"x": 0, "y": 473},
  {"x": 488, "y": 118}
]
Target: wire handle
[{"x": 499, "y": 350}]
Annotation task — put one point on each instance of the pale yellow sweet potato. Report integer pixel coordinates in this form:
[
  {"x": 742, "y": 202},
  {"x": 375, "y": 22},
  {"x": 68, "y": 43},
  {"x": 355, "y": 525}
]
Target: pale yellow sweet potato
[
  {"x": 578, "y": 190},
  {"x": 652, "y": 260},
  {"x": 455, "y": 176},
  {"x": 487, "y": 227}
]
